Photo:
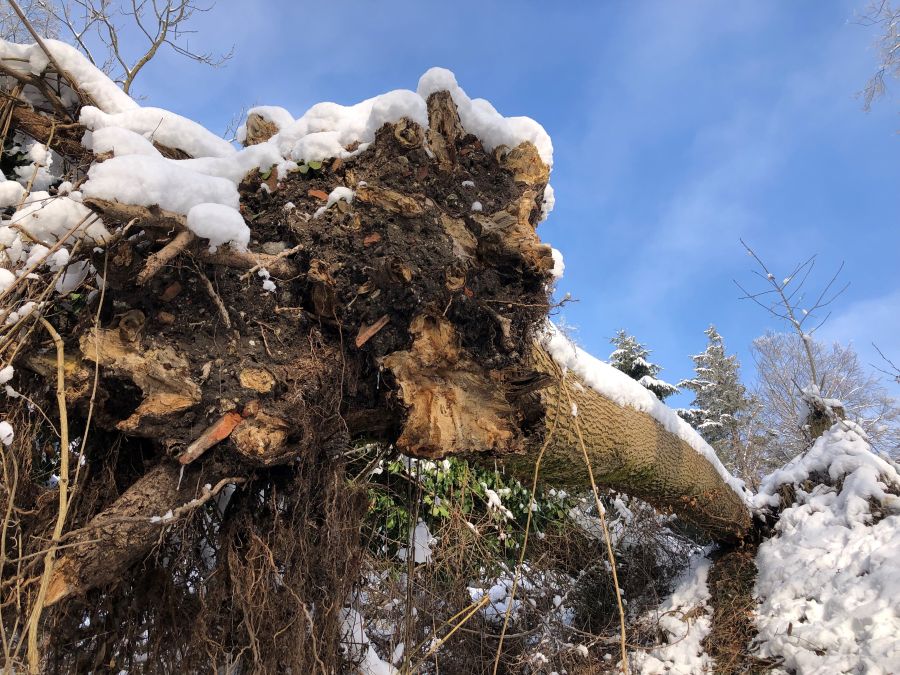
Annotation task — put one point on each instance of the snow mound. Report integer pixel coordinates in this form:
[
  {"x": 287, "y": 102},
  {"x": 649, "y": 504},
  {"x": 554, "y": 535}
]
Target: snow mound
[
  {"x": 829, "y": 579},
  {"x": 622, "y": 390}
]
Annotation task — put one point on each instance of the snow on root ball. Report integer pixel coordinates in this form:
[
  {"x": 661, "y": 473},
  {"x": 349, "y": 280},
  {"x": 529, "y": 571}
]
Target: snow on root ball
[
  {"x": 162, "y": 126},
  {"x": 829, "y": 578},
  {"x": 11, "y": 193},
  {"x": 220, "y": 224},
  {"x": 480, "y": 118},
  {"x": 338, "y": 194},
  {"x": 145, "y": 181}
]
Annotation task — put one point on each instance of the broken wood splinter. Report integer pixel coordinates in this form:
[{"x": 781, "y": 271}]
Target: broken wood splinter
[
  {"x": 366, "y": 333},
  {"x": 215, "y": 433}
]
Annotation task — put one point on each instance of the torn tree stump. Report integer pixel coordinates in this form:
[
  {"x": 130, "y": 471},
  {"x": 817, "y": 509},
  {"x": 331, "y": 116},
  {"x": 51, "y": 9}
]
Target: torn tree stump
[{"x": 452, "y": 406}]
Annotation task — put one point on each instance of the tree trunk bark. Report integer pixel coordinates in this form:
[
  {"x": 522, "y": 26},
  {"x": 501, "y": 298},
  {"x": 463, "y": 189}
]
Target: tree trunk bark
[
  {"x": 125, "y": 532},
  {"x": 632, "y": 452}
]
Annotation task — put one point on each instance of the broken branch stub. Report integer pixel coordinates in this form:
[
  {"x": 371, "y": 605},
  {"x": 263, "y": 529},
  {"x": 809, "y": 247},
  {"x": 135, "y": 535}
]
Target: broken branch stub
[{"x": 126, "y": 530}]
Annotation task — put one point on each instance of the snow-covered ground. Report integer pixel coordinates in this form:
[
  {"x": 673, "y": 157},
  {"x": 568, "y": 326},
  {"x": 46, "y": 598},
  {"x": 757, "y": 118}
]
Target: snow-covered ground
[
  {"x": 828, "y": 579},
  {"x": 685, "y": 619}
]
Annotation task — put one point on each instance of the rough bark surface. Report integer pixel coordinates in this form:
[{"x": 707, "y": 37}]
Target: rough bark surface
[
  {"x": 632, "y": 452},
  {"x": 121, "y": 534}
]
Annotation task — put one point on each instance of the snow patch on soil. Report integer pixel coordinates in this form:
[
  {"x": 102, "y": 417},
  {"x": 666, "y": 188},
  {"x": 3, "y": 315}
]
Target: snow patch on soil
[{"x": 685, "y": 618}]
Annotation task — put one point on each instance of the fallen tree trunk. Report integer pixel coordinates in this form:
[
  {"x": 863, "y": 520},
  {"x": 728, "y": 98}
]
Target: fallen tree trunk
[
  {"x": 397, "y": 294},
  {"x": 632, "y": 452}
]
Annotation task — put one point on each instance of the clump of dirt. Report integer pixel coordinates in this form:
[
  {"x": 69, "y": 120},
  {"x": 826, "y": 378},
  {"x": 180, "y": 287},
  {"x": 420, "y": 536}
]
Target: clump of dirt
[{"x": 384, "y": 257}]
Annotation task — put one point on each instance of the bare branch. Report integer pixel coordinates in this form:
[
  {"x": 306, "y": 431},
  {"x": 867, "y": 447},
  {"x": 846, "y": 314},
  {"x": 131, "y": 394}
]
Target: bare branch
[
  {"x": 886, "y": 18},
  {"x": 894, "y": 372},
  {"x": 786, "y": 307},
  {"x": 161, "y": 23}
]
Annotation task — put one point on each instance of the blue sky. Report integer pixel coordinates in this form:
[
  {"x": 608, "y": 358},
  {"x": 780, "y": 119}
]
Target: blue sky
[{"x": 678, "y": 128}]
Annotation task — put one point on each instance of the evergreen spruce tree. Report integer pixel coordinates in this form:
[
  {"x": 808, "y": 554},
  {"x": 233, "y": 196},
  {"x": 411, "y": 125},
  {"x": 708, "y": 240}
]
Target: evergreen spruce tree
[
  {"x": 630, "y": 356},
  {"x": 721, "y": 404}
]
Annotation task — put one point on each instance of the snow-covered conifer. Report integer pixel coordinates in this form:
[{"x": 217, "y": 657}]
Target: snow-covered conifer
[
  {"x": 630, "y": 356},
  {"x": 720, "y": 399}
]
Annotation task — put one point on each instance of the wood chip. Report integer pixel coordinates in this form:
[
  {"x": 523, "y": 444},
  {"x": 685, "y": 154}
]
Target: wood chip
[
  {"x": 366, "y": 333},
  {"x": 171, "y": 292},
  {"x": 318, "y": 194},
  {"x": 257, "y": 379},
  {"x": 370, "y": 239}
]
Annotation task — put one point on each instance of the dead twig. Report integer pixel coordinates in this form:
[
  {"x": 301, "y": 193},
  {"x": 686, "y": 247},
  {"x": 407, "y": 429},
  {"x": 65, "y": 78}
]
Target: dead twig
[
  {"x": 217, "y": 300},
  {"x": 165, "y": 255},
  {"x": 366, "y": 333}
]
